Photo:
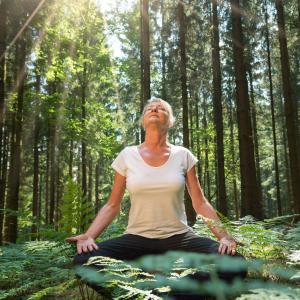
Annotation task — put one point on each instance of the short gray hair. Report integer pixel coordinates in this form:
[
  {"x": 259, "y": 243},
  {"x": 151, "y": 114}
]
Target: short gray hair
[{"x": 167, "y": 106}]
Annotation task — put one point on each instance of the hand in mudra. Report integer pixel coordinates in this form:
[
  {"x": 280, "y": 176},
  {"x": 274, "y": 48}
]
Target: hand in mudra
[
  {"x": 83, "y": 242},
  {"x": 228, "y": 245}
]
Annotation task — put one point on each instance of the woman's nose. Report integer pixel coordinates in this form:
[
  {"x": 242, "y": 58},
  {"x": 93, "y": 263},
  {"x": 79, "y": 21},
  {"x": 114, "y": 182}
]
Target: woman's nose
[{"x": 154, "y": 109}]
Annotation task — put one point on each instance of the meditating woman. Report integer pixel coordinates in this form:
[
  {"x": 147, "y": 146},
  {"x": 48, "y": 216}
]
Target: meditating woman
[{"x": 155, "y": 174}]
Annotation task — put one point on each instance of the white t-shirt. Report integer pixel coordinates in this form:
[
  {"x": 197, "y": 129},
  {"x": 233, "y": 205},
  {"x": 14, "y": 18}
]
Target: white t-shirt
[{"x": 156, "y": 193}]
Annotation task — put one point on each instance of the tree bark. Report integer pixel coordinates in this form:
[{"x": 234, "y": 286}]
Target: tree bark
[
  {"x": 47, "y": 181},
  {"x": 206, "y": 161},
  {"x": 11, "y": 221},
  {"x": 299, "y": 16},
  {"x": 218, "y": 115},
  {"x": 254, "y": 126},
  {"x": 36, "y": 134},
  {"x": 3, "y": 178},
  {"x": 233, "y": 158},
  {"x": 145, "y": 56},
  {"x": 3, "y": 29},
  {"x": 250, "y": 194},
  {"x": 267, "y": 37},
  {"x": 198, "y": 140},
  {"x": 52, "y": 162},
  {"x": 97, "y": 184},
  {"x": 163, "y": 53},
  {"x": 3, "y": 33},
  {"x": 83, "y": 142},
  {"x": 290, "y": 115},
  {"x": 90, "y": 181},
  {"x": 190, "y": 212},
  {"x": 70, "y": 165}
]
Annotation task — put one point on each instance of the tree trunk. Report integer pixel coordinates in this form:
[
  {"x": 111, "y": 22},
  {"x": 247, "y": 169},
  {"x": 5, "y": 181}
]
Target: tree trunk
[
  {"x": 250, "y": 194},
  {"x": 254, "y": 126},
  {"x": 57, "y": 193},
  {"x": 206, "y": 162},
  {"x": 290, "y": 115},
  {"x": 36, "y": 134},
  {"x": 163, "y": 53},
  {"x": 218, "y": 116},
  {"x": 145, "y": 56},
  {"x": 97, "y": 184},
  {"x": 267, "y": 36},
  {"x": 191, "y": 131},
  {"x": 83, "y": 142},
  {"x": 11, "y": 221},
  {"x": 198, "y": 140},
  {"x": 71, "y": 159},
  {"x": 90, "y": 181},
  {"x": 3, "y": 178},
  {"x": 52, "y": 163},
  {"x": 3, "y": 28},
  {"x": 233, "y": 169},
  {"x": 190, "y": 212},
  {"x": 288, "y": 203},
  {"x": 299, "y": 14},
  {"x": 47, "y": 181}
]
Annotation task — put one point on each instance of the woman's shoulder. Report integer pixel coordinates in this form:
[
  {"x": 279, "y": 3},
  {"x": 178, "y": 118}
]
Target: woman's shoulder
[
  {"x": 128, "y": 149},
  {"x": 180, "y": 149}
]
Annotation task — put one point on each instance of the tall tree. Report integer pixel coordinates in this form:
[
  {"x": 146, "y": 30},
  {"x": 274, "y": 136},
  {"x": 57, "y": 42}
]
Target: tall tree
[
  {"x": 251, "y": 202},
  {"x": 271, "y": 94},
  {"x": 145, "y": 55},
  {"x": 36, "y": 159},
  {"x": 3, "y": 29},
  {"x": 12, "y": 205},
  {"x": 290, "y": 116},
  {"x": 191, "y": 215},
  {"x": 218, "y": 116}
]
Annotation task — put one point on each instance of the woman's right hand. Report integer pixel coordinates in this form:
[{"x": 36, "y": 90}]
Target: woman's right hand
[{"x": 83, "y": 242}]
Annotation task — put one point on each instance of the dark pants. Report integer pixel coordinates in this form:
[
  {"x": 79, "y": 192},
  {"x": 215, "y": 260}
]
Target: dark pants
[{"x": 130, "y": 247}]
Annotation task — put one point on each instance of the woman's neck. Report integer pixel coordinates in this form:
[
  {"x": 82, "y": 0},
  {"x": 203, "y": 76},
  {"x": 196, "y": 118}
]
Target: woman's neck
[{"x": 156, "y": 139}]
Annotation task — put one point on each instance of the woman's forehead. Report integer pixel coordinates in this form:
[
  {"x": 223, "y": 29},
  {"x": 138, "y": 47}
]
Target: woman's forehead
[{"x": 155, "y": 103}]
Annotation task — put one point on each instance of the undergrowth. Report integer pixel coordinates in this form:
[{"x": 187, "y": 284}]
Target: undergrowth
[{"x": 43, "y": 269}]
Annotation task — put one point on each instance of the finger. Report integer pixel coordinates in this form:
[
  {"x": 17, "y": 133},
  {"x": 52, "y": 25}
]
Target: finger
[
  {"x": 222, "y": 249},
  {"x": 95, "y": 246},
  {"x": 233, "y": 251},
  {"x": 229, "y": 249},
  {"x": 84, "y": 248},
  {"x": 70, "y": 239},
  {"x": 90, "y": 247},
  {"x": 79, "y": 249}
]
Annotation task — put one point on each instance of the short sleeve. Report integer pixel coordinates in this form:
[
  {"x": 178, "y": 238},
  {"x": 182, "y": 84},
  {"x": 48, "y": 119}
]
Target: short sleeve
[
  {"x": 191, "y": 160},
  {"x": 119, "y": 164}
]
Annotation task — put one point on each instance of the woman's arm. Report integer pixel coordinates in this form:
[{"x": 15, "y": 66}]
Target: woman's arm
[
  {"x": 109, "y": 211},
  {"x": 86, "y": 242},
  {"x": 205, "y": 209}
]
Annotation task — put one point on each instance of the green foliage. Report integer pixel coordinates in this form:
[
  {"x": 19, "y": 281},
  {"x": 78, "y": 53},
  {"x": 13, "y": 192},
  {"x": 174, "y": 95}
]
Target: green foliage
[
  {"x": 150, "y": 274},
  {"x": 256, "y": 237},
  {"x": 75, "y": 211},
  {"x": 42, "y": 269},
  {"x": 34, "y": 268}
]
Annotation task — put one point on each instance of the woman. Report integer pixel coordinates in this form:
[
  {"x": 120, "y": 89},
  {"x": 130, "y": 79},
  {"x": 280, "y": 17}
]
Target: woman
[{"x": 155, "y": 174}]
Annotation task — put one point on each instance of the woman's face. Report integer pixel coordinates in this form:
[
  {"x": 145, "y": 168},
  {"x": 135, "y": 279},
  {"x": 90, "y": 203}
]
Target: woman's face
[{"x": 156, "y": 113}]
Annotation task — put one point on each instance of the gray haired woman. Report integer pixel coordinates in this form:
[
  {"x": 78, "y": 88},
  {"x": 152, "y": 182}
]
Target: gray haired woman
[{"x": 155, "y": 174}]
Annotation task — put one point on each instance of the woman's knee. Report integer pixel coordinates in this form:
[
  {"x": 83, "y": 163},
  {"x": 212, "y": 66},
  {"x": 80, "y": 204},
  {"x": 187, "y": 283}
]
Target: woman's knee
[{"x": 81, "y": 259}]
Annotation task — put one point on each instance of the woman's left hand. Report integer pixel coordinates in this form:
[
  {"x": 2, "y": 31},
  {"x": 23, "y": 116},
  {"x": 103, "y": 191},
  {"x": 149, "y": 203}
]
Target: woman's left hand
[{"x": 227, "y": 245}]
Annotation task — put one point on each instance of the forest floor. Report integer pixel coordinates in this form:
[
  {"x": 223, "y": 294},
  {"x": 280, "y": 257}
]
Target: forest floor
[{"x": 43, "y": 269}]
